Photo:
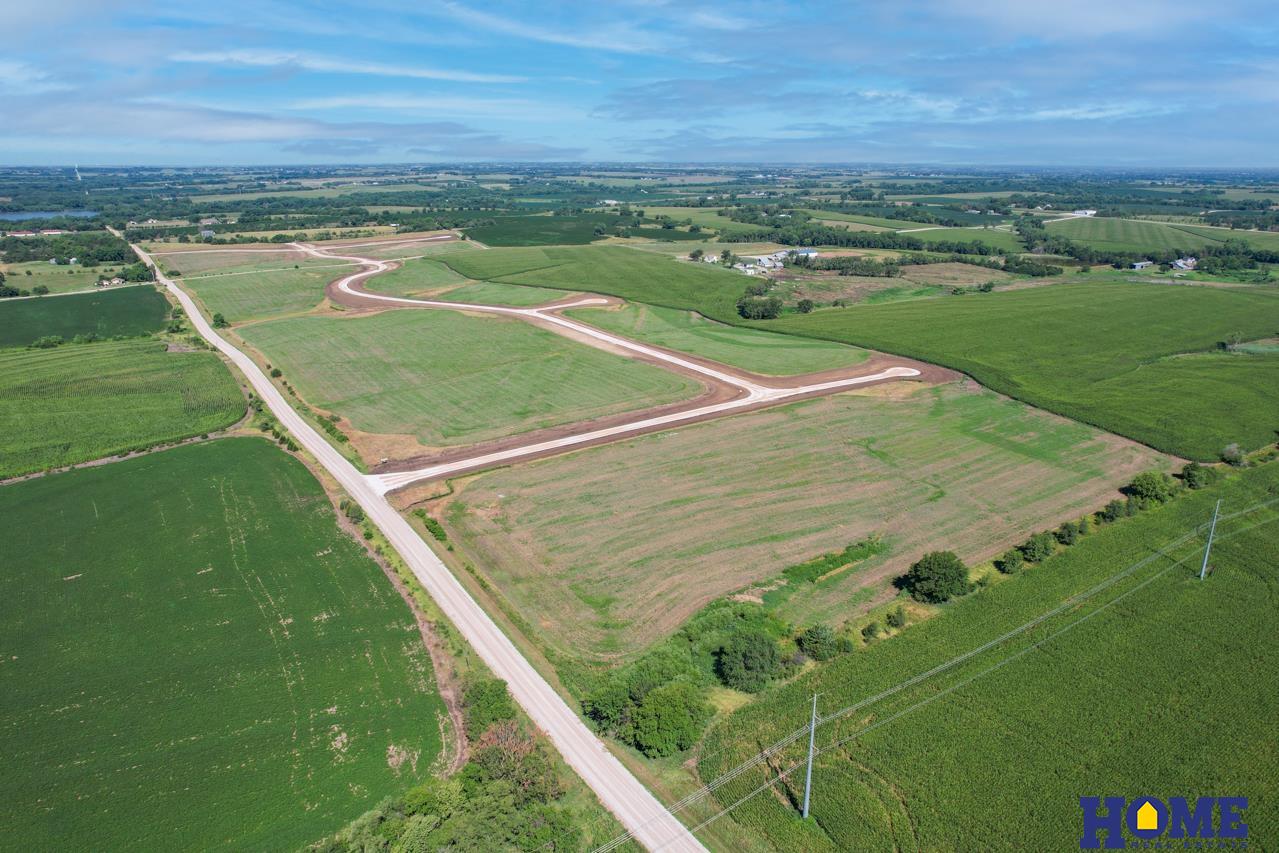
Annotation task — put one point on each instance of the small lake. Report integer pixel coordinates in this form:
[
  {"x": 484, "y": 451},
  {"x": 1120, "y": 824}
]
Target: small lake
[{"x": 46, "y": 214}]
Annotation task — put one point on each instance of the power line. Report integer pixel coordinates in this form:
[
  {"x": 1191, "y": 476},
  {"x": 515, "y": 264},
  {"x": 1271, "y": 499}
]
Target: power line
[
  {"x": 999, "y": 665},
  {"x": 1073, "y": 601}
]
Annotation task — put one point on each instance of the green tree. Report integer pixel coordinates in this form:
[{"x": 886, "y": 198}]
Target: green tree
[
  {"x": 485, "y": 701},
  {"x": 219, "y": 322},
  {"x": 1038, "y": 547},
  {"x": 805, "y": 306},
  {"x": 1011, "y": 562},
  {"x": 1152, "y": 486},
  {"x": 749, "y": 660},
  {"x": 1195, "y": 475},
  {"x": 1068, "y": 533},
  {"x": 938, "y": 576},
  {"x": 670, "y": 719},
  {"x": 819, "y": 642}
]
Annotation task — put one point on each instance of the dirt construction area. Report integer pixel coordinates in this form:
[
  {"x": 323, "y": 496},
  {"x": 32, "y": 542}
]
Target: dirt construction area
[{"x": 612, "y": 548}]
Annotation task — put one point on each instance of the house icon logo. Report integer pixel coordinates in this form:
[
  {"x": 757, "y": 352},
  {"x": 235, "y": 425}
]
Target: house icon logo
[
  {"x": 1147, "y": 817},
  {"x": 1117, "y": 823}
]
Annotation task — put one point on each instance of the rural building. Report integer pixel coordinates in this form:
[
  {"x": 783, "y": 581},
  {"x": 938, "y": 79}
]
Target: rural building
[
  {"x": 206, "y": 233},
  {"x": 806, "y": 253},
  {"x": 1185, "y": 263},
  {"x": 50, "y": 232},
  {"x": 1141, "y": 265},
  {"x": 22, "y": 233},
  {"x": 1085, "y": 213}
]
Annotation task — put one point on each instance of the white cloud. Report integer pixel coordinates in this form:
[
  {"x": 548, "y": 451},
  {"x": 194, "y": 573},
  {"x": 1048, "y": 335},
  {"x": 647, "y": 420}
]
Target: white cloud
[
  {"x": 443, "y": 105},
  {"x": 261, "y": 58},
  {"x": 19, "y": 78},
  {"x": 617, "y": 39}
]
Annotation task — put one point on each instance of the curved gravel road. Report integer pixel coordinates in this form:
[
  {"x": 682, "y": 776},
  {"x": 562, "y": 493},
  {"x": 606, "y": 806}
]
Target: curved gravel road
[{"x": 620, "y": 792}]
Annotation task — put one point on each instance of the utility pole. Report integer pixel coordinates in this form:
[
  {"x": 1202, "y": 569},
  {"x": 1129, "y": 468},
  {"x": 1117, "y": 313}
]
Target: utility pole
[
  {"x": 808, "y": 776},
  {"x": 1212, "y": 530}
]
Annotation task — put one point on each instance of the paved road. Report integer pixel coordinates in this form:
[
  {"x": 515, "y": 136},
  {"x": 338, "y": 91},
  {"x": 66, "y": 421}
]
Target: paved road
[{"x": 637, "y": 809}]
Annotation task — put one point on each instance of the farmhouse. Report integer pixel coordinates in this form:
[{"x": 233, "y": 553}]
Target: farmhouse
[
  {"x": 206, "y": 233},
  {"x": 1185, "y": 263},
  {"x": 1141, "y": 265},
  {"x": 22, "y": 234}
]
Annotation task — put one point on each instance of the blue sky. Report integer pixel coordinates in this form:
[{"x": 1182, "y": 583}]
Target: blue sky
[{"x": 1086, "y": 82}]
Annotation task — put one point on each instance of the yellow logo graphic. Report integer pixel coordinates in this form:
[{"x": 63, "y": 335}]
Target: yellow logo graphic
[{"x": 1147, "y": 817}]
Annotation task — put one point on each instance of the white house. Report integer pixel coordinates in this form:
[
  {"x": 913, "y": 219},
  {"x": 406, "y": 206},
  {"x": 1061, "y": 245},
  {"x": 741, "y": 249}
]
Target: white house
[
  {"x": 1085, "y": 213},
  {"x": 1141, "y": 265},
  {"x": 1185, "y": 263}
]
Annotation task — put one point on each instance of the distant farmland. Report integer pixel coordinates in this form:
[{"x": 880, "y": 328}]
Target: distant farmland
[
  {"x": 86, "y": 401},
  {"x": 126, "y": 311},
  {"x": 199, "y": 660},
  {"x": 1112, "y": 354}
]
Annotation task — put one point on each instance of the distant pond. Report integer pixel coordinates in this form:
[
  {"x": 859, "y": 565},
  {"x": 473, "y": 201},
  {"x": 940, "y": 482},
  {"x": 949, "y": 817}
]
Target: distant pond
[{"x": 23, "y": 215}]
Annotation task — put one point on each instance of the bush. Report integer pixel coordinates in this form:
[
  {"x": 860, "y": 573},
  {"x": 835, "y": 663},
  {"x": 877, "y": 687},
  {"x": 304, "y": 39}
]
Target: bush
[
  {"x": 749, "y": 661},
  {"x": 938, "y": 576},
  {"x": 805, "y": 306},
  {"x": 46, "y": 342},
  {"x": 870, "y": 631},
  {"x": 1195, "y": 476},
  {"x": 1011, "y": 562},
  {"x": 219, "y": 322},
  {"x": 819, "y": 643},
  {"x": 485, "y": 701},
  {"x": 1232, "y": 454},
  {"x": 670, "y": 719},
  {"x": 1113, "y": 511},
  {"x": 1152, "y": 487},
  {"x": 1038, "y": 547},
  {"x": 897, "y": 617},
  {"x": 276, "y": 373},
  {"x": 1068, "y": 533}
]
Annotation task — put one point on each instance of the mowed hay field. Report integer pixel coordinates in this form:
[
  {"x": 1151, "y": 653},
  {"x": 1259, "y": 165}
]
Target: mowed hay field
[
  {"x": 126, "y": 311},
  {"x": 760, "y": 352},
  {"x": 447, "y": 378},
  {"x": 915, "y": 281},
  {"x": 1128, "y": 235},
  {"x": 614, "y": 547},
  {"x": 1159, "y": 683},
  {"x": 614, "y": 270},
  {"x": 199, "y": 659},
  {"x": 86, "y": 401},
  {"x": 251, "y": 295},
  {"x": 1110, "y": 354},
  {"x": 428, "y": 277}
]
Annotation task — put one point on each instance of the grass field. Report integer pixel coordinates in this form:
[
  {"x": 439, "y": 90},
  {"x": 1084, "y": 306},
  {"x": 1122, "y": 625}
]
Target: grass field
[
  {"x": 86, "y": 401},
  {"x": 431, "y": 278},
  {"x": 1005, "y": 241},
  {"x": 539, "y": 230},
  {"x": 948, "y": 467},
  {"x": 59, "y": 279},
  {"x": 615, "y": 270},
  {"x": 197, "y": 260},
  {"x": 1166, "y": 692},
  {"x": 1127, "y": 235},
  {"x": 126, "y": 311},
  {"x": 876, "y": 221},
  {"x": 915, "y": 281},
  {"x": 1108, "y": 354},
  {"x": 761, "y": 352},
  {"x": 707, "y": 217},
  {"x": 447, "y": 378},
  {"x": 247, "y": 295},
  {"x": 409, "y": 250},
  {"x": 199, "y": 659}
]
